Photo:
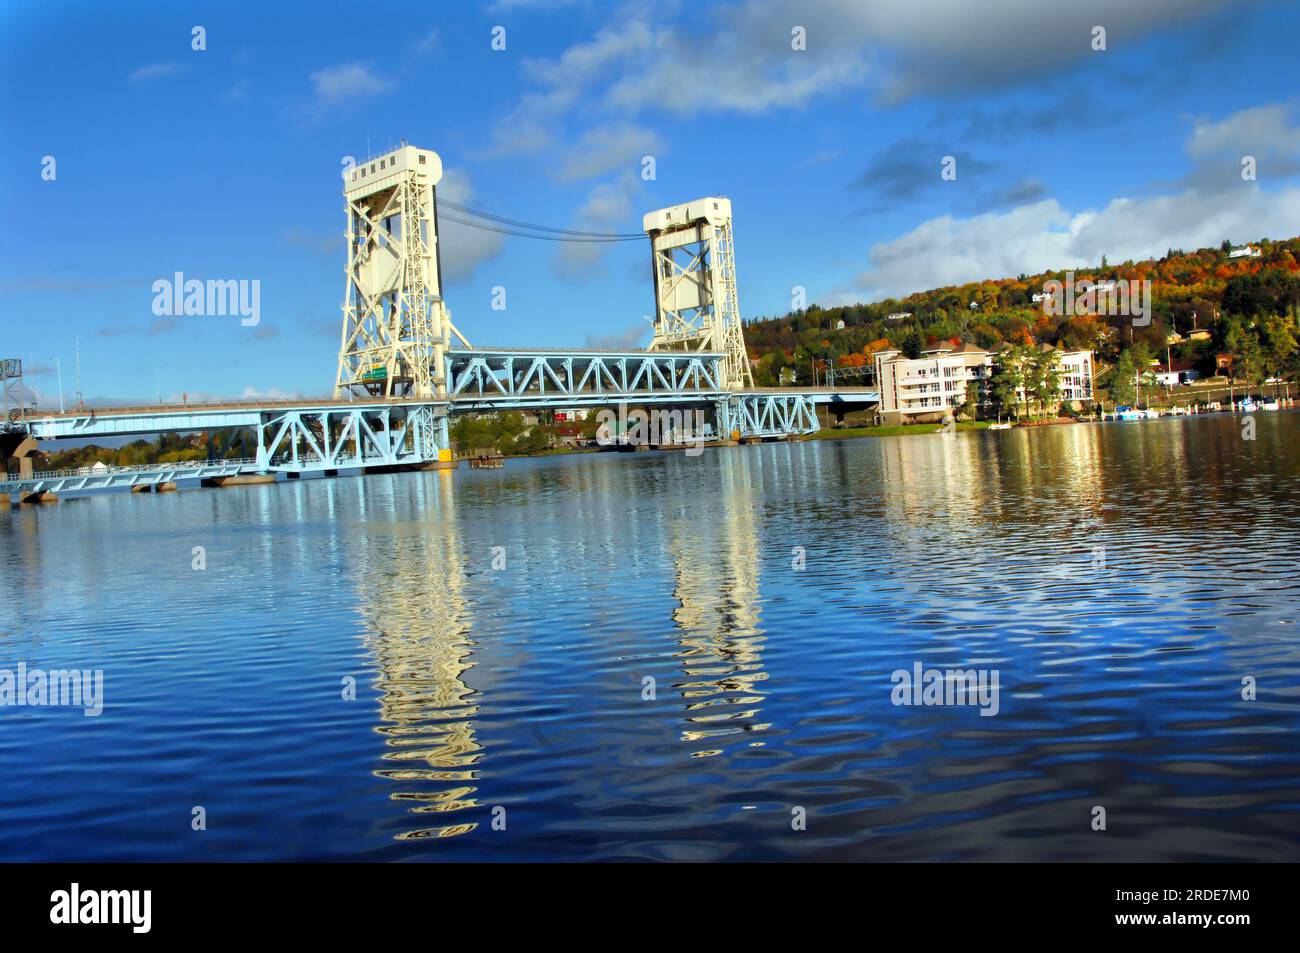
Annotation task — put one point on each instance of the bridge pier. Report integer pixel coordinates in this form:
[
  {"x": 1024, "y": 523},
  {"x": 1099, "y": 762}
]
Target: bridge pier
[
  {"x": 437, "y": 465},
  {"x": 165, "y": 487},
  {"x": 17, "y": 447},
  {"x": 241, "y": 479}
]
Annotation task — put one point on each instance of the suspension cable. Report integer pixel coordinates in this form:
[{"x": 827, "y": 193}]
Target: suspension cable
[
  {"x": 529, "y": 226},
  {"x": 593, "y": 237}
]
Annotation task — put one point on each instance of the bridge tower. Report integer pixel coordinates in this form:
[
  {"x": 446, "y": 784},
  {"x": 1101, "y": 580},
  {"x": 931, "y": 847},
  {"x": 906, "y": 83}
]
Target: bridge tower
[
  {"x": 696, "y": 308},
  {"x": 396, "y": 328}
]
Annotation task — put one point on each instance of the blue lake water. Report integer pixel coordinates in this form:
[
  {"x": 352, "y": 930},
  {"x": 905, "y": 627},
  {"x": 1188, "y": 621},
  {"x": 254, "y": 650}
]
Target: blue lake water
[{"x": 1122, "y": 579}]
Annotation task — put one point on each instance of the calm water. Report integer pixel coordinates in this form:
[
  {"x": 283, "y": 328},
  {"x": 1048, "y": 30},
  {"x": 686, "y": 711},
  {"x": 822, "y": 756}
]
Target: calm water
[{"x": 521, "y": 687}]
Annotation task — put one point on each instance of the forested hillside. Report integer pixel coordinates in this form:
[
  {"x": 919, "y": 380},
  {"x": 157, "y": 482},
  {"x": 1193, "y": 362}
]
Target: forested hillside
[{"x": 1251, "y": 306}]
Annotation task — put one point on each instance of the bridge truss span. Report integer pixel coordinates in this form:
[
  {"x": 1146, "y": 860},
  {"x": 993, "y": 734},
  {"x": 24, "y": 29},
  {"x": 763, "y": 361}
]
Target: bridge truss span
[
  {"x": 485, "y": 380},
  {"x": 758, "y": 415},
  {"x": 363, "y": 436}
]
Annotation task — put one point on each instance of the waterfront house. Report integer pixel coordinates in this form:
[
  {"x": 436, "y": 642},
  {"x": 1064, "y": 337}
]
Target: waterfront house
[{"x": 1179, "y": 372}]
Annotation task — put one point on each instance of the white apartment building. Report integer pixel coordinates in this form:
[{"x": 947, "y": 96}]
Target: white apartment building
[
  {"x": 1076, "y": 375},
  {"x": 930, "y": 387}
]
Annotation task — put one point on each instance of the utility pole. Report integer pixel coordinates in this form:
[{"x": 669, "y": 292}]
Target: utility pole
[
  {"x": 79, "y": 401},
  {"x": 58, "y": 363}
]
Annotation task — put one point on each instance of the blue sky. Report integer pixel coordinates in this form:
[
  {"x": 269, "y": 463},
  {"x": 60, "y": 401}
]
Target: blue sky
[{"x": 224, "y": 163}]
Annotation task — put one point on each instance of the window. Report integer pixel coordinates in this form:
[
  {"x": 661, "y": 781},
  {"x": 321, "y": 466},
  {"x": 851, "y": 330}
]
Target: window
[
  {"x": 421, "y": 160},
  {"x": 372, "y": 167},
  {"x": 381, "y": 163}
]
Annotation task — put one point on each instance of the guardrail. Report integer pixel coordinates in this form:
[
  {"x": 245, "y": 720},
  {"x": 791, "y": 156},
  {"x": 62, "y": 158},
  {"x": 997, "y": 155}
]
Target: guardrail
[
  {"x": 135, "y": 468},
  {"x": 168, "y": 406}
]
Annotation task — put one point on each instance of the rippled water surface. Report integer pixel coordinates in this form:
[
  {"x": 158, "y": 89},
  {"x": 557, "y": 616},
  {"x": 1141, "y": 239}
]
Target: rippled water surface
[{"x": 1122, "y": 579}]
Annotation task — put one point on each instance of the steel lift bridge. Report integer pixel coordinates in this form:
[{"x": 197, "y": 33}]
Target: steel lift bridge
[{"x": 404, "y": 367}]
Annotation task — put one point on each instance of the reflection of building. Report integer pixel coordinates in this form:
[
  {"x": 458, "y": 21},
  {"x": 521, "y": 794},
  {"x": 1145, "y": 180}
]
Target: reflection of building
[
  {"x": 932, "y": 386},
  {"x": 414, "y": 575},
  {"x": 717, "y": 616}
]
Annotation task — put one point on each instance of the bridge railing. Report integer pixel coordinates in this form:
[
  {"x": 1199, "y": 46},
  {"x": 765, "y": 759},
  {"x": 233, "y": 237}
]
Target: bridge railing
[
  {"x": 173, "y": 405},
  {"x": 70, "y": 472}
]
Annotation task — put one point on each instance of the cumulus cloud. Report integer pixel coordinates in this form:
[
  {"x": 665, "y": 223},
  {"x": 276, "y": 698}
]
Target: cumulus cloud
[
  {"x": 344, "y": 83},
  {"x": 1043, "y": 234},
  {"x": 609, "y": 208},
  {"x": 606, "y": 148},
  {"x": 739, "y": 57},
  {"x": 1264, "y": 133},
  {"x": 463, "y": 248}
]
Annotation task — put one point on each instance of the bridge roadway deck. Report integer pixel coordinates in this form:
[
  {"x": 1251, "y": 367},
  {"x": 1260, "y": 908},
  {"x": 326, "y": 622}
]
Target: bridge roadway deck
[
  {"x": 223, "y": 414},
  {"x": 297, "y": 435}
]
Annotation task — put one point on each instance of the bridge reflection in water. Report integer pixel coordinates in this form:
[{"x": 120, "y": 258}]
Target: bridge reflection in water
[
  {"x": 715, "y": 558},
  {"x": 419, "y": 626}
]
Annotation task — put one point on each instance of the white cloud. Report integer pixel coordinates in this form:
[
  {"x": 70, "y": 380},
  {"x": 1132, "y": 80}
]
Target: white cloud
[
  {"x": 606, "y": 148},
  {"x": 1263, "y": 133},
  {"x": 348, "y": 81},
  {"x": 1044, "y": 235},
  {"x": 153, "y": 71},
  {"x": 463, "y": 248},
  {"x": 1264, "y": 128},
  {"x": 739, "y": 58},
  {"x": 427, "y": 43},
  {"x": 609, "y": 208}
]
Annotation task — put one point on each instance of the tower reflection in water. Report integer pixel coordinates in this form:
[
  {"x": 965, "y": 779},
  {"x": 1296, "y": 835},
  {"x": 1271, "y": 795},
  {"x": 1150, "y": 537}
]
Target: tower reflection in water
[
  {"x": 712, "y": 539},
  {"x": 419, "y": 625}
]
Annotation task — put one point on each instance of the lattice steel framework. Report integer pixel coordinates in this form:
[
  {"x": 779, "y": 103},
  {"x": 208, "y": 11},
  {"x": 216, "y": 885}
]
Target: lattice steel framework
[
  {"x": 11, "y": 380},
  {"x": 494, "y": 380},
  {"x": 773, "y": 415},
  {"x": 396, "y": 328},
  {"x": 299, "y": 441},
  {"x": 696, "y": 302}
]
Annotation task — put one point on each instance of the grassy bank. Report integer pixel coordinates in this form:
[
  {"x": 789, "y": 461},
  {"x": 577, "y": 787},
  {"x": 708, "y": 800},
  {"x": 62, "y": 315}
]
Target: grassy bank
[{"x": 898, "y": 431}]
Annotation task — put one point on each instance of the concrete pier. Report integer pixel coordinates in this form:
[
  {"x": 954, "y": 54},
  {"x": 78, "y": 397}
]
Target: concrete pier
[{"x": 243, "y": 479}]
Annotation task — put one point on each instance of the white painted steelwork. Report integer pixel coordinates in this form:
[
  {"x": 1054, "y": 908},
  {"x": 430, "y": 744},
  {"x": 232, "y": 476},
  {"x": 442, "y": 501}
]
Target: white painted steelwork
[{"x": 696, "y": 304}]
